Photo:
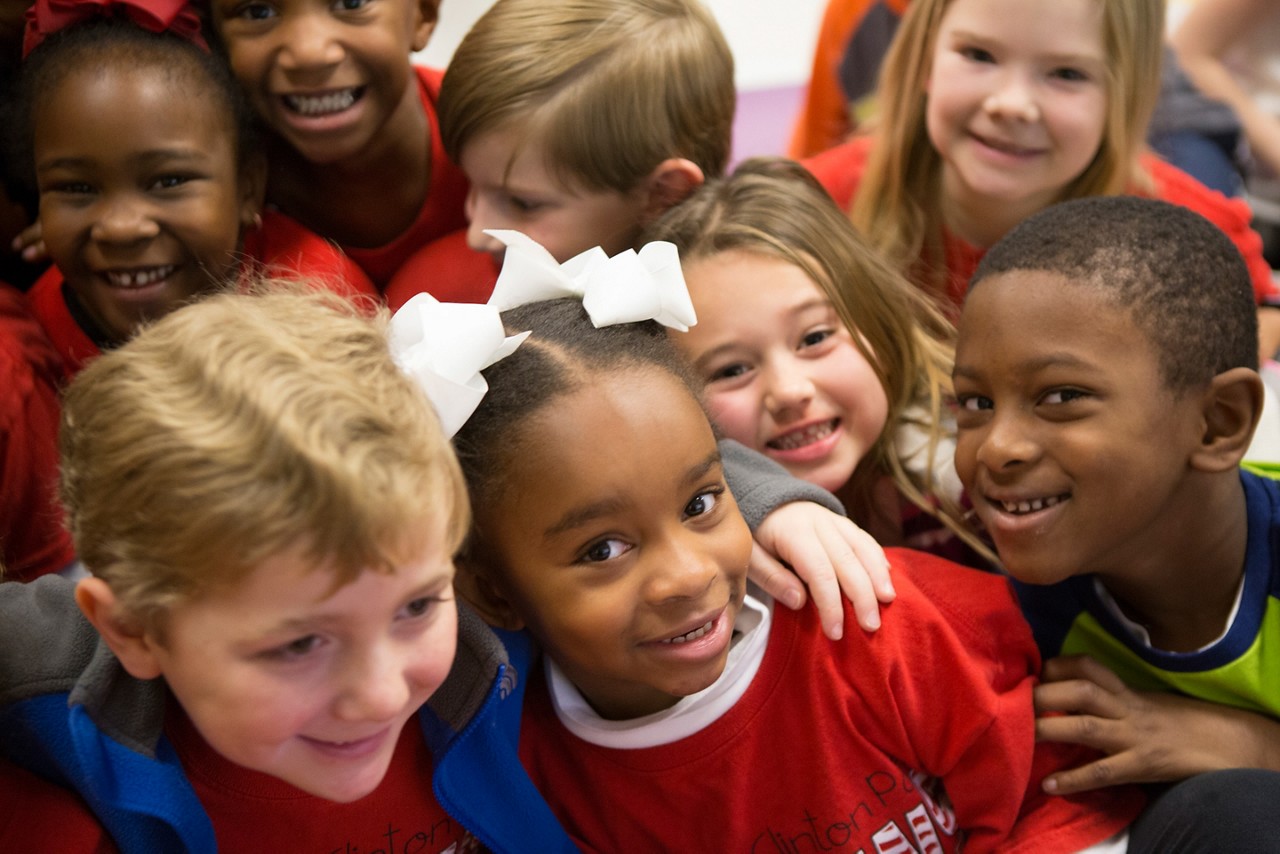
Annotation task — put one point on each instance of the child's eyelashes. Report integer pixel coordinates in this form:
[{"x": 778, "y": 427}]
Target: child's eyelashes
[
  {"x": 604, "y": 550},
  {"x": 815, "y": 337},
  {"x": 976, "y": 54},
  {"x": 350, "y": 5},
  {"x": 704, "y": 502},
  {"x": 973, "y": 402},
  {"x": 422, "y": 606},
  {"x": 1060, "y": 396},
  {"x": 253, "y": 11},
  {"x": 294, "y": 650},
  {"x": 172, "y": 181},
  {"x": 728, "y": 372}
]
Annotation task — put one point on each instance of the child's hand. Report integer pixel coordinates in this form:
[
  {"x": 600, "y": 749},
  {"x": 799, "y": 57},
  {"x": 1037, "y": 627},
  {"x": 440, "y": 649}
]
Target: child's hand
[
  {"x": 30, "y": 242},
  {"x": 831, "y": 555},
  {"x": 1147, "y": 736}
]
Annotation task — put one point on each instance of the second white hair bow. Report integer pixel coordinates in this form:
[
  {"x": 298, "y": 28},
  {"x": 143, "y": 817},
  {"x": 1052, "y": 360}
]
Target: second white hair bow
[
  {"x": 443, "y": 347},
  {"x": 627, "y": 288}
]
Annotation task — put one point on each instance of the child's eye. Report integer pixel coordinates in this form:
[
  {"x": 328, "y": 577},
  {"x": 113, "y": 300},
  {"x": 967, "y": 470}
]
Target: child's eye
[
  {"x": 1063, "y": 395},
  {"x": 254, "y": 11},
  {"x": 351, "y": 5},
  {"x": 728, "y": 372},
  {"x": 294, "y": 649},
  {"x": 68, "y": 187},
  {"x": 169, "y": 182},
  {"x": 603, "y": 550},
  {"x": 974, "y": 402},
  {"x": 420, "y": 606},
  {"x": 816, "y": 337},
  {"x": 976, "y": 54},
  {"x": 1069, "y": 74},
  {"x": 703, "y": 503},
  {"x": 522, "y": 205}
]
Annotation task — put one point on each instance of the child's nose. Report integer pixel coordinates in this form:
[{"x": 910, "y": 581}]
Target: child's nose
[
  {"x": 481, "y": 218},
  {"x": 1013, "y": 98},
  {"x": 307, "y": 43},
  {"x": 684, "y": 569},
  {"x": 788, "y": 389},
  {"x": 123, "y": 220},
  {"x": 374, "y": 687},
  {"x": 1007, "y": 444}
]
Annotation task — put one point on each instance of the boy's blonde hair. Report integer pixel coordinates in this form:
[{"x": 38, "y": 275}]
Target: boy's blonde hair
[
  {"x": 773, "y": 207},
  {"x": 244, "y": 426},
  {"x": 609, "y": 88},
  {"x": 897, "y": 202}
]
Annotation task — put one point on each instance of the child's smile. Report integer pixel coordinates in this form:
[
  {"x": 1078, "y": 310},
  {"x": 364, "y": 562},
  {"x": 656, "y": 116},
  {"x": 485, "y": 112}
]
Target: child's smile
[
  {"x": 141, "y": 198},
  {"x": 616, "y": 541},
  {"x": 783, "y": 374},
  {"x": 1070, "y": 444}
]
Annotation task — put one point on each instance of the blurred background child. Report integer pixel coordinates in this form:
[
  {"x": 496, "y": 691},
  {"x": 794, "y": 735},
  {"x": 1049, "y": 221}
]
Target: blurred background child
[
  {"x": 150, "y": 182},
  {"x": 816, "y": 353},
  {"x": 982, "y": 123},
  {"x": 354, "y": 144},
  {"x": 580, "y": 144}
]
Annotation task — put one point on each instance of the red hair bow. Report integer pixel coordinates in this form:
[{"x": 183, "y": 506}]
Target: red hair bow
[{"x": 46, "y": 17}]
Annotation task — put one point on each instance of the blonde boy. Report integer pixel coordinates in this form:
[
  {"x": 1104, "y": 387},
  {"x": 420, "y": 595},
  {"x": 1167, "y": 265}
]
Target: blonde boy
[{"x": 269, "y": 509}]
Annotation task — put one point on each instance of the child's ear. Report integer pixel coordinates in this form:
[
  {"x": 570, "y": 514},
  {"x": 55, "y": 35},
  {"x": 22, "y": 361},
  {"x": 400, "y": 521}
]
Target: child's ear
[
  {"x": 253, "y": 189},
  {"x": 428, "y": 13},
  {"x": 473, "y": 583},
  {"x": 132, "y": 645},
  {"x": 670, "y": 183},
  {"x": 1232, "y": 406}
]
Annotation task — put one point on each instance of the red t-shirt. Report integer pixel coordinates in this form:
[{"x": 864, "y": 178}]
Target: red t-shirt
[
  {"x": 252, "y": 811},
  {"x": 36, "y": 815},
  {"x": 448, "y": 269},
  {"x": 281, "y": 246},
  {"x": 842, "y": 746},
  {"x": 840, "y": 171},
  {"x": 443, "y": 209},
  {"x": 33, "y": 541}
]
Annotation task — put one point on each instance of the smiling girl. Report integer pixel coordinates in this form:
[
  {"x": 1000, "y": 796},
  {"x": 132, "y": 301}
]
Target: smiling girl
[
  {"x": 603, "y": 525},
  {"x": 817, "y": 354},
  {"x": 150, "y": 182},
  {"x": 994, "y": 109}
]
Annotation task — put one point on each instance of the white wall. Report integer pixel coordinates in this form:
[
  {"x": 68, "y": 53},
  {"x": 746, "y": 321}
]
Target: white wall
[{"x": 772, "y": 41}]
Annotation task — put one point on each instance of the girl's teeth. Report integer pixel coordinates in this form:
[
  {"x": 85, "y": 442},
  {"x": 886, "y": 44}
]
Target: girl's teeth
[
  {"x": 1030, "y": 506},
  {"x": 320, "y": 105},
  {"x": 139, "y": 278},
  {"x": 807, "y": 436},
  {"x": 693, "y": 635}
]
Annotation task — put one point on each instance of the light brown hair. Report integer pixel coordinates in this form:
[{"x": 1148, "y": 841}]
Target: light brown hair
[{"x": 245, "y": 425}]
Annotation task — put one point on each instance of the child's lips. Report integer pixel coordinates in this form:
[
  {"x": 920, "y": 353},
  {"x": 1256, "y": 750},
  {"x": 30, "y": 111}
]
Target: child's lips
[
  {"x": 349, "y": 749},
  {"x": 322, "y": 103},
  {"x": 1006, "y": 147},
  {"x": 133, "y": 278}
]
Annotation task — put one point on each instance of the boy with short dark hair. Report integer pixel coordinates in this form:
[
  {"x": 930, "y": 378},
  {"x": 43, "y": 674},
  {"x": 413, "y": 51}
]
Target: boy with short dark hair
[{"x": 1107, "y": 387}]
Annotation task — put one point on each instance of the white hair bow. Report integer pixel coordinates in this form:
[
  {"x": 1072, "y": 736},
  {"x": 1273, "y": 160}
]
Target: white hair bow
[
  {"x": 444, "y": 347},
  {"x": 627, "y": 288}
]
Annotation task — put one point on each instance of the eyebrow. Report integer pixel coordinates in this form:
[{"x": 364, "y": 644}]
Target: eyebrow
[
  {"x": 580, "y": 516},
  {"x": 146, "y": 158},
  {"x": 1031, "y": 366}
]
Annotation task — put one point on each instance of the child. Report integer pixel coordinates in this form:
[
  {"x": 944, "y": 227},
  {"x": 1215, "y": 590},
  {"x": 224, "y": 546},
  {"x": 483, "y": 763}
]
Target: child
[
  {"x": 603, "y": 524},
  {"x": 582, "y": 144},
  {"x": 995, "y": 109},
  {"x": 816, "y": 353},
  {"x": 1107, "y": 388},
  {"x": 355, "y": 146},
  {"x": 150, "y": 182},
  {"x": 270, "y": 509}
]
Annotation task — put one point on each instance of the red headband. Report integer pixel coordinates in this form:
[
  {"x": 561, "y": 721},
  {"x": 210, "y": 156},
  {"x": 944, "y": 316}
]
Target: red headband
[{"x": 46, "y": 17}]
